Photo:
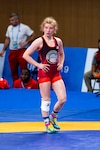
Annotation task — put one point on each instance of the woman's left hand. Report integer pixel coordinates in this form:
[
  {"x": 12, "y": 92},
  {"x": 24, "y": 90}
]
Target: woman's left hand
[{"x": 59, "y": 66}]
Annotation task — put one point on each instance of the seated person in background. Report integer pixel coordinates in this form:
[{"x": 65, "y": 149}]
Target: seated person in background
[
  {"x": 94, "y": 73},
  {"x": 25, "y": 81}
]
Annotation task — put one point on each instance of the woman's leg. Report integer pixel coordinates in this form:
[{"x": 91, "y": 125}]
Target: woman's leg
[
  {"x": 45, "y": 105},
  {"x": 45, "y": 96},
  {"x": 60, "y": 91}
]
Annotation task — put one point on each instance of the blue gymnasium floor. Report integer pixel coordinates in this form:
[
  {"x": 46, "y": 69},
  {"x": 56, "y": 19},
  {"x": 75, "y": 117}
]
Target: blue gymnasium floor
[{"x": 22, "y": 128}]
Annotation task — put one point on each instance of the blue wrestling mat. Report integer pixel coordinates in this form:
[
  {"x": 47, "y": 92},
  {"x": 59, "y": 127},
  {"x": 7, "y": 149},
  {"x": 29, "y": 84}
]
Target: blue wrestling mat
[
  {"x": 67, "y": 140},
  {"x": 79, "y": 119}
]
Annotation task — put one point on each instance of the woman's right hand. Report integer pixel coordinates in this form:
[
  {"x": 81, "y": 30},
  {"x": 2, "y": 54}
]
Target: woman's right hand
[{"x": 44, "y": 67}]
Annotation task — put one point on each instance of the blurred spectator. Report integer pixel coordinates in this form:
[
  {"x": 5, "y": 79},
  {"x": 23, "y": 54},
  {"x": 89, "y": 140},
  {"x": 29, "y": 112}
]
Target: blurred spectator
[
  {"x": 25, "y": 81},
  {"x": 18, "y": 36},
  {"x": 94, "y": 73}
]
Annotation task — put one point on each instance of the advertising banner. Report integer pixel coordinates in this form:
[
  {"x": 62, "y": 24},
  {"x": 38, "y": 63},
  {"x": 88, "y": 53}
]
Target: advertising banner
[
  {"x": 77, "y": 62},
  {"x": 73, "y": 70}
]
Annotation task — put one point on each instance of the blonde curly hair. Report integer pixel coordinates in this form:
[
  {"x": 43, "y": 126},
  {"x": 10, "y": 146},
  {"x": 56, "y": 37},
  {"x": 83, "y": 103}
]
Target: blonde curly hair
[{"x": 51, "y": 21}]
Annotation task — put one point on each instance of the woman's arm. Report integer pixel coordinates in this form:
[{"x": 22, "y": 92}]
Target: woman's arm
[
  {"x": 30, "y": 50},
  {"x": 61, "y": 54}
]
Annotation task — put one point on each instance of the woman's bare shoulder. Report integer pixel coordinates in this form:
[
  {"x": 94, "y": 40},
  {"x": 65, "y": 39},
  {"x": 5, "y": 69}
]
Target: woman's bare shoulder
[
  {"x": 39, "y": 39},
  {"x": 38, "y": 42},
  {"x": 59, "y": 40}
]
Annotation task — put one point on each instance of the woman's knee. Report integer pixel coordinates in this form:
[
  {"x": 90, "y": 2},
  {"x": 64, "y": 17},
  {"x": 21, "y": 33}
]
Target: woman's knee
[{"x": 63, "y": 99}]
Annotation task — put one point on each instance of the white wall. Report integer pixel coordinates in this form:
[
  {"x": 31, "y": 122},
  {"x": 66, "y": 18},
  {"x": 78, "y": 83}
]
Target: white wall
[{"x": 1, "y": 60}]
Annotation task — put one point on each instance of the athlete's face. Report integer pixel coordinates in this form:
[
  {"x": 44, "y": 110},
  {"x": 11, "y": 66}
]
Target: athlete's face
[
  {"x": 25, "y": 76},
  {"x": 49, "y": 29},
  {"x": 14, "y": 21}
]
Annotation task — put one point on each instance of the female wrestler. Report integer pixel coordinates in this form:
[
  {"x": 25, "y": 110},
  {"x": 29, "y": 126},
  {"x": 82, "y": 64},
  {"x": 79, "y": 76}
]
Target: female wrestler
[{"x": 51, "y": 54}]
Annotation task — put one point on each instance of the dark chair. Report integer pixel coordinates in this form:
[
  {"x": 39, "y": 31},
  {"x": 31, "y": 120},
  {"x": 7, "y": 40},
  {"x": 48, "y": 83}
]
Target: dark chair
[{"x": 97, "y": 81}]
